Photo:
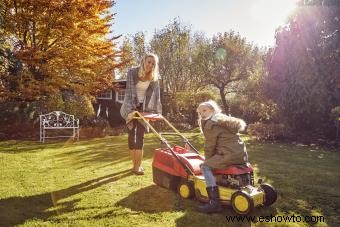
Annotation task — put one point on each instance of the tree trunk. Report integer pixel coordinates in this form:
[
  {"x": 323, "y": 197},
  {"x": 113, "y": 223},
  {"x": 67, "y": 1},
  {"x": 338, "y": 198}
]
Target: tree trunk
[{"x": 225, "y": 108}]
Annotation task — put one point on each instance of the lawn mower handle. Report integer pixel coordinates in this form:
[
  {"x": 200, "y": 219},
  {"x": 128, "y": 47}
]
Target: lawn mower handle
[
  {"x": 138, "y": 116},
  {"x": 186, "y": 141},
  {"x": 187, "y": 169}
]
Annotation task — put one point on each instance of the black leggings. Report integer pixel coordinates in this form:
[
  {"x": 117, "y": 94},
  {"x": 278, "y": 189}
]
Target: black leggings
[
  {"x": 136, "y": 136},
  {"x": 136, "y": 133}
]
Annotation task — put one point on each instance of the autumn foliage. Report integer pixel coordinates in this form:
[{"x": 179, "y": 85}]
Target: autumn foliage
[{"x": 57, "y": 45}]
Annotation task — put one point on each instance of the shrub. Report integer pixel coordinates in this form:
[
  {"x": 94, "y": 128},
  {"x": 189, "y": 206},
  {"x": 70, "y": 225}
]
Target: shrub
[
  {"x": 77, "y": 105},
  {"x": 270, "y": 131},
  {"x": 19, "y": 119},
  {"x": 253, "y": 110},
  {"x": 55, "y": 102},
  {"x": 25, "y": 115},
  {"x": 185, "y": 103},
  {"x": 335, "y": 113}
]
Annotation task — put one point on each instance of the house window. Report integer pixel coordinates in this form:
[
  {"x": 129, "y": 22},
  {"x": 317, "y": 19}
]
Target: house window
[
  {"x": 120, "y": 96},
  {"x": 105, "y": 95}
]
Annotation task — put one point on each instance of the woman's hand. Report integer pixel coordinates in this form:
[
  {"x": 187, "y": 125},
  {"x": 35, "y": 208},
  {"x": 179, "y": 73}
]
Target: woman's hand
[{"x": 129, "y": 117}]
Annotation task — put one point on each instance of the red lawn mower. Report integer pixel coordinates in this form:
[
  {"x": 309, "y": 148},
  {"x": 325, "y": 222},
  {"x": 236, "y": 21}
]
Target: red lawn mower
[{"x": 178, "y": 168}]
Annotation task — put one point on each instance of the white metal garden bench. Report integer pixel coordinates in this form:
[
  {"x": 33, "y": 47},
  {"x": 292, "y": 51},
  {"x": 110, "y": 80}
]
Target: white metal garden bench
[{"x": 58, "y": 120}]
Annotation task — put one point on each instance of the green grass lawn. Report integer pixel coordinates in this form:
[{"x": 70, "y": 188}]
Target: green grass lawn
[{"x": 89, "y": 183}]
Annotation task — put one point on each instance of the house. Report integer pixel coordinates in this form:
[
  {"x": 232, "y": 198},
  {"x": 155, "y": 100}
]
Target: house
[{"x": 108, "y": 104}]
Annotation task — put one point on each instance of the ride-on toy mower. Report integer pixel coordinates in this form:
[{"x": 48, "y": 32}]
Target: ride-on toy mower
[{"x": 178, "y": 168}]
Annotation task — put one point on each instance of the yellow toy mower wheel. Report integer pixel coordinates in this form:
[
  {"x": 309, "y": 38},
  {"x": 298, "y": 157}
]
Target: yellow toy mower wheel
[
  {"x": 242, "y": 203},
  {"x": 185, "y": 190}
]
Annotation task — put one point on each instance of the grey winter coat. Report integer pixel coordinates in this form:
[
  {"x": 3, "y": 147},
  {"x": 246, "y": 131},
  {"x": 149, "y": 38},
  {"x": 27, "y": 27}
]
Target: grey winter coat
[
  {"x": 223, "y": 146},
  {"x": 152, "y": 101}
]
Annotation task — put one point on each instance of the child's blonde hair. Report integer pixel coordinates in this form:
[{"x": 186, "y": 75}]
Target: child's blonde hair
[
  {"x": 217, "y": 116},
  {"x": 210, "y": 104}
]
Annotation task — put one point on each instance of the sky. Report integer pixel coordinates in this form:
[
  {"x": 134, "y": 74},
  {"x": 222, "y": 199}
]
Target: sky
[{"x": 256, "y": 20}]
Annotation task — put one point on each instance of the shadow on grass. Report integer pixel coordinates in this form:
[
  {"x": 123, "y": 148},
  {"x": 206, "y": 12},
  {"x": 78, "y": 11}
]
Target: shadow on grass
[
  {"x": 304, "y": 179},
  {"x": 151, "y": 199},
  {"x": 103, "y": 151},
  {"x": 193, "y": 218},
  {"x": 27, "y": 146},
  {"x": 155, "y": 199},
  {"x": 19, "y": 146},
  {"x": 106, "y": 151},
  {"x": 17, "y": 210}
]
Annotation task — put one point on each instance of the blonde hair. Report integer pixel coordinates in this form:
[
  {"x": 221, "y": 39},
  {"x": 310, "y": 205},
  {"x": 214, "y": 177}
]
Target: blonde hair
[
  {"x": 154, "y": 73},
  {"x": 234, "y": 124},
  {"x": 210, "y": 104}
]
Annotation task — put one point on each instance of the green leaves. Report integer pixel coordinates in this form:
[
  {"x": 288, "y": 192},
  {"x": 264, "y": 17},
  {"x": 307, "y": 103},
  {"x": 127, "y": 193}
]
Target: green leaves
[{"x": 304, "y": 66}]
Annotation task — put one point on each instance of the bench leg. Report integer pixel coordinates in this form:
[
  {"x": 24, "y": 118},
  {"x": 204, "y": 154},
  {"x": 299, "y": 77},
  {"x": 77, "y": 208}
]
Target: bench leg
[{"x": 40, "y": 133}]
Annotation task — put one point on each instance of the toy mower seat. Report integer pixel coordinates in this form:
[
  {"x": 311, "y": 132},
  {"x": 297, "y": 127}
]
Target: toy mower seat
[{"x": 235, "y": 169}]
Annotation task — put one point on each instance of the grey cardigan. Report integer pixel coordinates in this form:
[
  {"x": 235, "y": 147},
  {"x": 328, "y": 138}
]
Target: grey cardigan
[{"x": 152, "y": 101}]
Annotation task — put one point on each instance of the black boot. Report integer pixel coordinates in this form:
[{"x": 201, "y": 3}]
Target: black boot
[{"x": 214, "y": 204}]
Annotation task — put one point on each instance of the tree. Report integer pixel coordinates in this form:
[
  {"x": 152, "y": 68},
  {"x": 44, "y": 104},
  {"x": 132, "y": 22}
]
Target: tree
[
  {"x": 228, "y": 59},
  {"x": 200, "y": 56},
  {"x": 61, "y": 45},
  {"x": 2, "y": 45},
  {"x": 133, "y": 48},
  {"x": 139, "y": 46},
  {"x": 173, "y": 45},
  {"x": 2, "y": 13},
  {"x": 304, "y": 66},
  {"x": 128, "y": 57}
]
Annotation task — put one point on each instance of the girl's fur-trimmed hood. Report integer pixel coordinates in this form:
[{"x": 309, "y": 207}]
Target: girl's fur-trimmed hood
[{"x": 232, "y": 124}]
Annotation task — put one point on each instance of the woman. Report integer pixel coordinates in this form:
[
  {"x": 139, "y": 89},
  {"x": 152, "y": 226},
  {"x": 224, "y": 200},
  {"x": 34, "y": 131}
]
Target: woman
[
  {"x": 223, "y": 147},
  {"x": 142, "y": 94}
]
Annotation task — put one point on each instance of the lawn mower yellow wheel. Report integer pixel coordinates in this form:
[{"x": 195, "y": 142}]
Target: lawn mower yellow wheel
[
  {"x": 185, "y": 190},
  {"x": 241, "y": 202}
]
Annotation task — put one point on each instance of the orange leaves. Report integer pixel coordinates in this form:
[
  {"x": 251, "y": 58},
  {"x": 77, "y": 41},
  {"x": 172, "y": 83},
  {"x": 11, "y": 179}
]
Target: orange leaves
[{"x": 61, "y": 45}]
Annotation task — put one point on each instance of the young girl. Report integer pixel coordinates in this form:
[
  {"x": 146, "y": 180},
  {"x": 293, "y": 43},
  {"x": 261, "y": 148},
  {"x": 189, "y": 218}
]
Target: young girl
[{"x": 223, "y": 147}]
